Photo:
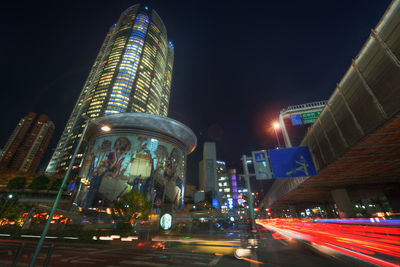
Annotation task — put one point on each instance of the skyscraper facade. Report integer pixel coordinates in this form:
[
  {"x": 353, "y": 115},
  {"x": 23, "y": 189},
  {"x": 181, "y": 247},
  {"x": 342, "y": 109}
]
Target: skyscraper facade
[
  {"x": 132, "y": 73},
  {"x": 208, "y": 168},
  {"x": 26, "y": 146}
]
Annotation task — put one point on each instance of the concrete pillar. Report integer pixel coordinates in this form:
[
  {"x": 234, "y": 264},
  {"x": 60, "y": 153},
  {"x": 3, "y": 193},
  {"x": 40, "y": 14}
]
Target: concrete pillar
[
  {"x": 392, "y": 195},
  {"x": 343, "y": 203},
  {"x": 292, "y": 211},
  {"x": 329, "y": 211}
]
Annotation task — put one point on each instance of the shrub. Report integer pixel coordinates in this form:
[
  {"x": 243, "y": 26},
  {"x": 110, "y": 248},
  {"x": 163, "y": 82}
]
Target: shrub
[
  {"x": 55, "y": 185},
  {"x": 40, "y": 182},
  {"x": 17, "y": 183}
]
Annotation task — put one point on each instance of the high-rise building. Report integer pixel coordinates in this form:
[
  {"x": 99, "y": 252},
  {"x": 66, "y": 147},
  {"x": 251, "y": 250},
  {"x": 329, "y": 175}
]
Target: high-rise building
[
  {"x": 208, "y": 168},
  {"x": 132, "y": 73},
  {"x": 227, "y": 186},
  {"x": 26, "y": 146}
]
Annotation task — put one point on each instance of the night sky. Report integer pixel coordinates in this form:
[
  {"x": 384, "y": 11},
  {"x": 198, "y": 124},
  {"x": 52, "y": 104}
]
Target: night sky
[{"x": 236, "y": 65}]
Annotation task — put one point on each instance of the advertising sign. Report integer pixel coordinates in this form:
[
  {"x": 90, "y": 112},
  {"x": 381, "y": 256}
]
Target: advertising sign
[
  {"x": 292, "y": 162},
  {"x": 310, "y": 117},
  {"x": 166, "y": 221},
  {"x": 230, "y": 203},
  {"x": 261, "y": 165}
]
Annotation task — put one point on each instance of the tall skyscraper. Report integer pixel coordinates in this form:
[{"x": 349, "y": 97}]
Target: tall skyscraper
[
  {"x": 26, "y": 146},
  {"x": 132, "y": 73},
  {"x": 227, "y": 186},
  {"x": 208, "y": 168}
]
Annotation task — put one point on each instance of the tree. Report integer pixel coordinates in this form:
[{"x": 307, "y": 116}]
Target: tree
[
  {"x": 133, "y": 205},
  {"x": 55, "y": 185},
  {"x": 17, "y": 183},
  {"x": 12, "y": 209},
  {"x": 40, "y": 182}
]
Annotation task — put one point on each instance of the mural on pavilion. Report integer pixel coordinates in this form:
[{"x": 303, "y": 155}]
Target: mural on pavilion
[{"x": 119, "y": 164}]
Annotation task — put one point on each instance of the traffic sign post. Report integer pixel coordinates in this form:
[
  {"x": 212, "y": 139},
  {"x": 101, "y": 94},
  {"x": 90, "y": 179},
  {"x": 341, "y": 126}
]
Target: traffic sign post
[
  {"x": 249, "y": 195},
  {"x": 310, "y": 117},
  {"x": 261, "y": 165},
  {"x": 292, "y": 162}
]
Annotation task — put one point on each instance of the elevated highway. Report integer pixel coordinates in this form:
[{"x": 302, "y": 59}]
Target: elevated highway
[{"x": 355, "y": 142}]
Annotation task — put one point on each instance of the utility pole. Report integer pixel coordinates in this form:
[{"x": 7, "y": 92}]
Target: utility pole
[
  {"x": 53, "y": 209},
  {"x": 249, "y": 195}
]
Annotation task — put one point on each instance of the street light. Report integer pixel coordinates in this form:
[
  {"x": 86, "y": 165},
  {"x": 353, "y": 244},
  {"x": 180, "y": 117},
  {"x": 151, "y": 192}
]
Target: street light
[
  {"x": 276, "y": 127},
  {"x": 53, "y": 209},
  {"x": 105, "y": 128}
]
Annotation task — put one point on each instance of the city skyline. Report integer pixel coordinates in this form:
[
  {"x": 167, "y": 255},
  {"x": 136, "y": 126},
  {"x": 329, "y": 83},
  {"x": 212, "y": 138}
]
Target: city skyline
[{"x": 205, "y": 70}]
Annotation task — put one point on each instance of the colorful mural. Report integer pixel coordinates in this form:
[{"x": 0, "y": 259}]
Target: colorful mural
[{"x": 119, "y": 164}]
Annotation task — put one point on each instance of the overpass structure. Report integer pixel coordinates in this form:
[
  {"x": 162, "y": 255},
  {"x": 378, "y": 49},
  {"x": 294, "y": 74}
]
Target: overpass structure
[
  {"x": 355, "y": 142},
  {"x": 297, "y": 109}
]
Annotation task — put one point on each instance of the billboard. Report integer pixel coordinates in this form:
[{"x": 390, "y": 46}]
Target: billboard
[
  {"x": 292, "y": 162},
  {"x": 116, "y": 165},
  {"x": 261, "y": 165}
]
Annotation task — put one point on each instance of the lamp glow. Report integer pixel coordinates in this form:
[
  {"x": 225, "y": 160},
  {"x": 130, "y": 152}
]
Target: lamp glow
[{"x": 105, "y": 128}]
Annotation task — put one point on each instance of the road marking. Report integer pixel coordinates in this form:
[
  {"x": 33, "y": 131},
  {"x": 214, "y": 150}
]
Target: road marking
[
  {"x": 215, "y": 261},
  {"x": 142, "y": 258},
  {"x": 255, "y": 261},
  {"x": 142, "y": 263},
  {"x": 198, "y": 263},
  {"x": 283, "y": 242},
  {"x": 104, "y": 250}
]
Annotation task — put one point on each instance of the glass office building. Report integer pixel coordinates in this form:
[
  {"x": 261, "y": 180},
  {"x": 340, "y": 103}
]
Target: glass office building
[{"x": 132, "y": 73}]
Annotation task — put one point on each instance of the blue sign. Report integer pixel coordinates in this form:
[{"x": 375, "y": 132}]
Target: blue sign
[
  {"x": 230, "y": 203},
  {"x": 261, "y": 165},
  {"x": 71, "y": 186},
  {"x": 292, "y": 162},
  {"x": 296, "y": 119},
  {"x": 215, "y": 203},
  {"x": 259, "y": 156}
]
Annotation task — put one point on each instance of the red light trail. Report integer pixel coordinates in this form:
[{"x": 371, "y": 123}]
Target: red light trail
[{"x": 375, "y": 244}]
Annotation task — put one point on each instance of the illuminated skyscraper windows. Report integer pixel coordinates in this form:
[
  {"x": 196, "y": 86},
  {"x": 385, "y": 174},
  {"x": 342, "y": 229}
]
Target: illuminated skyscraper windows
[{"x": 132, "y": 73}]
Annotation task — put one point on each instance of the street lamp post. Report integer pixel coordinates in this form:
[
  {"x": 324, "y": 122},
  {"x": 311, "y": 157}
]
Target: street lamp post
[
  {"x": 276, "y": 126},
  {"x": 46, "y": 227},
  {"x": 10, "y": 196}
]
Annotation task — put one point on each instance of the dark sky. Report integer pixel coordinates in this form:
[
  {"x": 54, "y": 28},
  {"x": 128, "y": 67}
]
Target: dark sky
[{"x": 236, "y": 64}]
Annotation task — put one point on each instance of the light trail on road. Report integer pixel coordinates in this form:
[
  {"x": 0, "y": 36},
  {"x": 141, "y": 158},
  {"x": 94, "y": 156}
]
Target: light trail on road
[{"x": 376, "y": 244}]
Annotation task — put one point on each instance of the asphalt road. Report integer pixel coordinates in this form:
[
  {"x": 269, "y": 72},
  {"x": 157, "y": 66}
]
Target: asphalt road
[
  {"x": 271, "y": 251},
  {"x": 277, "y": 251},
  {"x": 114, "y": 255}
]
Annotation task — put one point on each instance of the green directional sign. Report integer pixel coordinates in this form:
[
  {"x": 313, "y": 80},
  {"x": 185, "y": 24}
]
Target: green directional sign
[{"x": 310, "y": 117}]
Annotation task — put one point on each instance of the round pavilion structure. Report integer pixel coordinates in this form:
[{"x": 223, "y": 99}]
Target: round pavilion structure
[{"x": 142, "y": 152}]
